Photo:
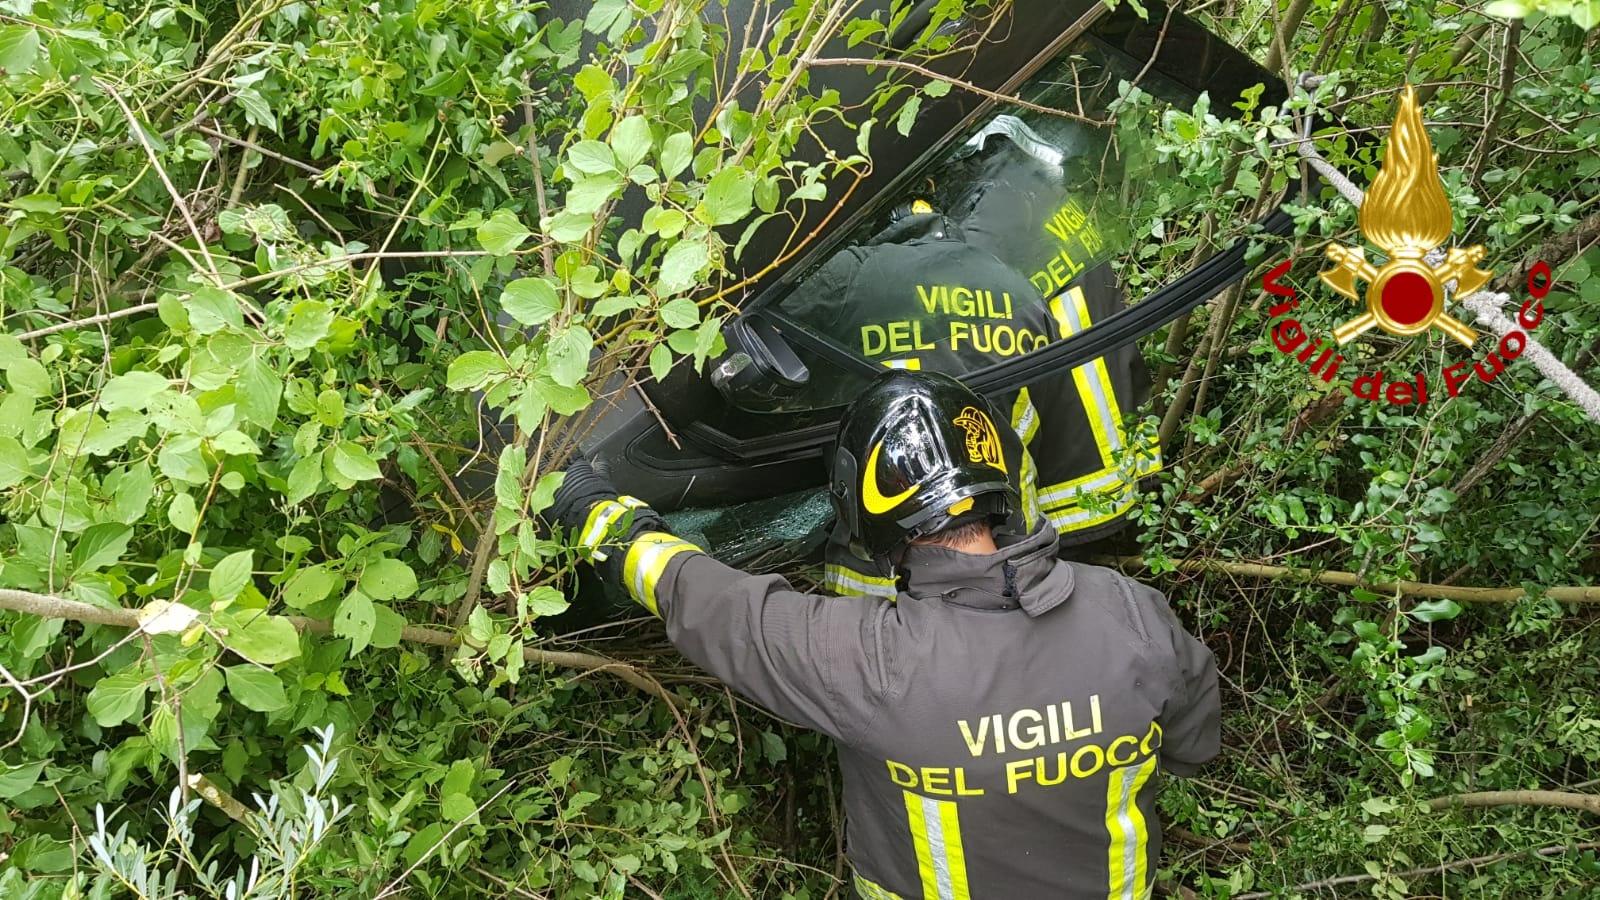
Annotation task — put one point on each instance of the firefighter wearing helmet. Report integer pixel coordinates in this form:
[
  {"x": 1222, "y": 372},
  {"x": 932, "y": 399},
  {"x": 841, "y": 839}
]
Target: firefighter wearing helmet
[{"x": 1001, "y": 722}]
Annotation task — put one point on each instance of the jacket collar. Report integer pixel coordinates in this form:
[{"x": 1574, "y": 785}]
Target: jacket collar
[{"x": 1023, "y": 574}]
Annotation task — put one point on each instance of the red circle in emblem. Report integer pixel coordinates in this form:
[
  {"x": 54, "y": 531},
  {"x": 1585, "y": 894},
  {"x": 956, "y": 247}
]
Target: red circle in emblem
[{"x": 1407, "y": 298}]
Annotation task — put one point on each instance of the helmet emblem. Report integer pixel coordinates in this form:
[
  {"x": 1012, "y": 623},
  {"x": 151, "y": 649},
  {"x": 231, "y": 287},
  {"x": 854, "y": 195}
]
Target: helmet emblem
[
  {"x": 872, "y": 498},
  {"x": 983, "y": 442}
]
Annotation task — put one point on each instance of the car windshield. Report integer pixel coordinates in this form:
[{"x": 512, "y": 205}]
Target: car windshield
[{"x": 1004, "y": 242}]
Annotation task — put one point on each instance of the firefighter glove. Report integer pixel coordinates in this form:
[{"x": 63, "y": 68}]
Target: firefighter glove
[{"x": 588, "y": 506}]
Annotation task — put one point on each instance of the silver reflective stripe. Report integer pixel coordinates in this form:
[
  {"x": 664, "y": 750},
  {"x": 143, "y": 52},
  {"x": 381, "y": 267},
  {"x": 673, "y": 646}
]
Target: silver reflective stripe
[
  {"x": 1130, "y": 836},
  {"x": 645, "y": 573},
  {"x": 603, "y": 517},
  {"x": 934, "y": 826}
]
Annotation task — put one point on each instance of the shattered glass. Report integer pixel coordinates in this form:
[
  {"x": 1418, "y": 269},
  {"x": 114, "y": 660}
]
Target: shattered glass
[{"x": 759, "y": 535}]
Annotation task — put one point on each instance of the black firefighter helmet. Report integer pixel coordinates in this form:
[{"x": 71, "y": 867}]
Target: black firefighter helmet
[{"x": 920, "y": 453}]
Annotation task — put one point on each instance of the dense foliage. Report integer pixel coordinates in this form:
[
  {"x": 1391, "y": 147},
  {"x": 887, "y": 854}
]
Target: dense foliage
[{"x": 263, "y": 268}]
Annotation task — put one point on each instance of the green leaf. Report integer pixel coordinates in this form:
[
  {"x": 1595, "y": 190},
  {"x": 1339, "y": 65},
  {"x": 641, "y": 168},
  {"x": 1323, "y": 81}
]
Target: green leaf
[
  {"x": 16, "y": 779},
  {"x": 117, "y": 698},
  {"x": 1436, "y": 610},
  {"x": 308, "y": 323},
  {"x": 568, "y": 353},
  {"x": 213, "y": 309},
  {"x": 351, "y": 460},
  {"x": 231, "y": 574},
  {"x": 569, "y": 226},
  {"x": 472, "y": 369},
  {"x": 660, "y": 362},
  {"x": 29, "y": 378},
  {"x": 936, "y": 88},
  {"x": 728, "y": 197},
  {"x": 676, "y": 153},
  {"x": 386, "y": 632},
  {"x": 235, "y": 443},
  {"x": 258, "y": 637},
  {"x": 591, "y": 158},
  {"x": 563, "y": 400},
  {"x": 459, "y": 779},
  {"x": 680, "y": 313},
  {"x": 546, "y": 601},
  {"x": 681, "y": 267},
  {"x": 503, "y": 233},
  {"x": 589, "y": 193},
  {"x": 908, "y": 114},
  {"x": 355, "y": 620},
  {"x": 304, "y": 480},
  {"x": 531, "y": 301},
  {"x": 610, "y": 306},
  {"x": 258, "y": 392},
  {"x": 311, "y": 585},
  {"x": 19, "y": 48},
  {"x": 631, "y": 141},
  {"x": 101, "y": 545},
  {"x": 257, "y": 689},
  {"x": 13, "y": 462},
  {"x": 132, "y": 390},
  {"x": 388, "y": 579},
  {"x": 182, "y": 512}
]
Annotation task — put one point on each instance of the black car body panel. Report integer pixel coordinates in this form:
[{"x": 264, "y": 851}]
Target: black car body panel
[{"x": 720, "y": 454}]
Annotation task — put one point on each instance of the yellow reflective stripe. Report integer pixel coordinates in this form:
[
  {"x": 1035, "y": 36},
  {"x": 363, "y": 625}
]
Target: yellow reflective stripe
[
  {"x": 1024, "y": 417},
  {"x": 1071, "y": 312},
  {"x": 1073, "y": 516},
  {"x": 1126, "y": 858},
  {"x": 602, "y": 516},
  {"x": 647, "y": 558},
  {"x": 1101, "y": 480},
  {"x": 936, "y": 837},
  {"x": 1074, "y": 519},
  {"x": 847, "y": 582},
  {"x": 871, "y": 891},
  {"x": 913, "y": 363}
]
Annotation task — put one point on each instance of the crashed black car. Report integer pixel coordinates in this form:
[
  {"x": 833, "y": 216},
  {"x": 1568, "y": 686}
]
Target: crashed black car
[{"x": 734, "y": 455}]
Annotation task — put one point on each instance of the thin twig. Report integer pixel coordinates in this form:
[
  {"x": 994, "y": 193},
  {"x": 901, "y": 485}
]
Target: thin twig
[
  {"x": 172, "y": 190},
  {"x": 1568, "y": 594},
  {"x": 1429, "y": 870},
  {"x": 400, "y": 879},
  {"x": 956, "y": 82}
]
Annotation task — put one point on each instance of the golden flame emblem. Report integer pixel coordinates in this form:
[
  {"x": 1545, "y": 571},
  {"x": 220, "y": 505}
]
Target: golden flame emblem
[{"x": 1406, "y": 213}]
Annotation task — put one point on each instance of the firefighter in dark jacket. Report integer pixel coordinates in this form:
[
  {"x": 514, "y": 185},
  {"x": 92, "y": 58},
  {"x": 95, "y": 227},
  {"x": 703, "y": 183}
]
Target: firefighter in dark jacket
[
  {"x": 1015, "y": 264},
  {"x": 999, "y": 724}
]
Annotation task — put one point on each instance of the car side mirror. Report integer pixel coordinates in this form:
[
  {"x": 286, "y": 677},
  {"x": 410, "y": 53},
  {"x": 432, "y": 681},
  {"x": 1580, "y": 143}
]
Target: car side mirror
[{"x": 760, "y": 371}]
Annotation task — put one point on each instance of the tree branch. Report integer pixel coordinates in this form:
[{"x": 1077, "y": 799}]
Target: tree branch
[
  {"x": 1569, "y": 594},
  {"x": 1562, "y": 799},
  {"x": 52, "y": 607}
]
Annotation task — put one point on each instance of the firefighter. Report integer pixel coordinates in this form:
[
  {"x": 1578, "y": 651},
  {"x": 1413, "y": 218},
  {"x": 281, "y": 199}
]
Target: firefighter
[
  {"x": 1001, "y": 723},
  {"x": 1015, "y": 263}
]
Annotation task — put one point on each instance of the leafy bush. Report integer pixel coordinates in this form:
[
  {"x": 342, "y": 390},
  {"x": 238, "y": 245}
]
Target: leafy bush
[{"x": 264, "y": 268}]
